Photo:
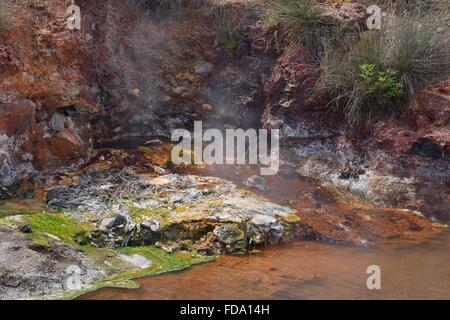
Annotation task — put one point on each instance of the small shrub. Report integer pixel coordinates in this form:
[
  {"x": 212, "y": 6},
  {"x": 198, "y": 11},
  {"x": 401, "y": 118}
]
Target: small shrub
[{"x": 381, "y": 83}]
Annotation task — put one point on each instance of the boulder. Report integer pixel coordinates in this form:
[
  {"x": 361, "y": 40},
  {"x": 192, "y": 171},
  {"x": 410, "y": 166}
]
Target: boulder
[
  {"x": 24, "y": 228},
  {"x": 257, "y": 182},
  {"x": 228, "y": 215},
  {"x": 347, "y": 13},
  {"x": 204, "y": 68},
  {"x": 113, "y": 222},
  {"x": 57, "y": 121},
  {"x": 232, "y": 237},
  {"x": 151, "y": 224}
]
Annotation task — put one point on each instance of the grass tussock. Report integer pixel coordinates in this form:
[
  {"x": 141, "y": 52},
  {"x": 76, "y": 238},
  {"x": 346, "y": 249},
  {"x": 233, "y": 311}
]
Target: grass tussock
[
  {"x": 381, "y": 72},
  {"x": 370, "y": 73},
  {"x": 227, "y": 26},
  {"x": 305, "y": 23}
]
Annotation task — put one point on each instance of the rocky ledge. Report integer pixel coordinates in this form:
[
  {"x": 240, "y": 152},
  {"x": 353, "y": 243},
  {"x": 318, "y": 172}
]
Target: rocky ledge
[{"x": 172, "y": 211}]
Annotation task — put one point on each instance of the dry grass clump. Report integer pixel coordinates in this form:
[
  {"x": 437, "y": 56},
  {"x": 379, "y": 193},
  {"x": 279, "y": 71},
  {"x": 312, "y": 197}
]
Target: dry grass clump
[
  {"x": 381, "y": 72},
  {"x": 227, "y": 26},
  {"x": 366, "y": 74},
  {"x": 305, "y": 23}
]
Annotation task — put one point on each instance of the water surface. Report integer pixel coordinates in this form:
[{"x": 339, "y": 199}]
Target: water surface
[{"x": 307, "y": 270}]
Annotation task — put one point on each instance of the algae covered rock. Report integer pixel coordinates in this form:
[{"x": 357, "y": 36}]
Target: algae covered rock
[{"x": 210, "y": 213}]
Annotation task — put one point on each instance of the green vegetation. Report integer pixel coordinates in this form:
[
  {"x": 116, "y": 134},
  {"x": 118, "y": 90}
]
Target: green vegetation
[
  {"x": 58, "y": 225},
  {"x": 366, "y": 74},
  {"x": 383, "y": 84},
  {"x": 162, "y": 262},
  {"x": 161, "y": 214},
  {"x": 292, "y": 218},
  {"x": 379, "y": 73},
  {"x": 227, "y": 28},
  {"x": 6, "y": 210}
]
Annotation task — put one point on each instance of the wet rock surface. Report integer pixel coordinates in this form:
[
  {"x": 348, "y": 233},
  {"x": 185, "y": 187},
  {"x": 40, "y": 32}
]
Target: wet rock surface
[
  {"x": 257, "y": 182},
  {"x": 54, "y": 102},
  {"x": 130, "y": 74},
  {"x": 107, "y": 206},
  {"x": 141, "y": 87},
  {"x": 179, "y": 69},
  {"x": 338, "y": 217}
]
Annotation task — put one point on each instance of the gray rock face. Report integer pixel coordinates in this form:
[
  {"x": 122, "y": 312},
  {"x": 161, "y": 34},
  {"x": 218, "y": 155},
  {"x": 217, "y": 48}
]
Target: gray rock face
[
  {"x": 232, "y": 237},
  {"x": 204, "y": 68},
  {"x": 57, "y": 121},
  {"x": 10, "y": 170},
  {"x": 151, "y": 224},
  {"x": 257, "y": 182},
  {"x": 102, "y": 201},
  {"x": 175, "y": 199},
  {"x": 111, "y": 222},
  {"x": 24, "y": 228}
]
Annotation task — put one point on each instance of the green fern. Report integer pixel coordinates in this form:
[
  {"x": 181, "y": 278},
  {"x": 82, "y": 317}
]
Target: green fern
[{"x": 383, "y": 84}]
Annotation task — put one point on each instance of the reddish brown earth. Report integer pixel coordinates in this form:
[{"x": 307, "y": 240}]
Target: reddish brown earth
[
  {"x": 45, "y": 98},
  {"x": 125, "y": 74}
]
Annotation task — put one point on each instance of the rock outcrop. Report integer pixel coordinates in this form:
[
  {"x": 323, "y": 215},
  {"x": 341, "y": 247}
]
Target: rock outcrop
[
  {"x": 127, "y": 79},
  {"x": 45, "y": 99},
  {"x": 203, "y": 213},
  {"x": 132, "y": 72},
  {"x": 158, "y": 73}
]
